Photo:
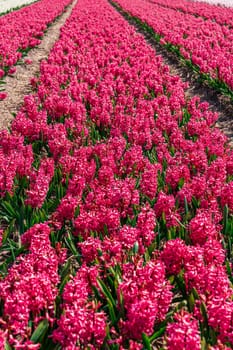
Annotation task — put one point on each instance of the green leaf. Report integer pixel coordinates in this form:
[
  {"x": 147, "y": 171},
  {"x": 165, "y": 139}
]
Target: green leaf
[
  {"x": 181, "y": 285},
  {"x": 181, "y": 183},
  {"x": 63, "y": 283},
  {"x": 9, "y": 209},
  {"x": 158, "y": 333},
  {"x": 106, "y": 291},
  {"x": 225, "y": 220},
  {"x": 203, "y": 344},
  {"x": 195, "y": 293},
  {"x": 7, "y": 346},
  {"x": 213, "y": 335},
  {"x": 204, "y": 314},
  {"x": 65, "y": 275},
  {"x": 111, "y": 302},
  {"x": 112, "y": 313},
  {"x": 135, "y": 248},
  {"x": 40, "y": 331},
  {"x": 186, "y": 206},
  {"x": 71, "y": 245},
  {"x": 77, "y": 211},
  {"x": 146, "y": 342},
  {"x": 97, "y": 294},
  {"x": 191, "y": 302},
  {"x": 229, "y": 272}
]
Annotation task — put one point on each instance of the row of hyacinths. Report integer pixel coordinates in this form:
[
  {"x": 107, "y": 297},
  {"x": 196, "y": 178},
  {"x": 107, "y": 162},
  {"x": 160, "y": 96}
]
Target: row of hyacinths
[
  {"x": 199, "y": 35},
  {"x": 22, "y": 30}
]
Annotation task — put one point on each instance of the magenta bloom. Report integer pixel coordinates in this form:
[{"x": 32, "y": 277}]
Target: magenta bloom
[
  {"x": 173, "y": 255},
  {"x": 29, "y": 290},
  {"x": 202, "y": 228},
  {"x": 227, "y": 195},
  {"x": 3, "y": 95},
  {"x": 147, "y": 296},
  {"x": 81, "y": 323},
  {"x": 183, "y": 333}
]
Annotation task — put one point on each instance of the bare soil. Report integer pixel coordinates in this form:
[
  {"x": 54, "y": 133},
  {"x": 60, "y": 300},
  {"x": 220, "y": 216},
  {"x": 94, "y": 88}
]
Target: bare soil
[{"x": 18, "y": 85}]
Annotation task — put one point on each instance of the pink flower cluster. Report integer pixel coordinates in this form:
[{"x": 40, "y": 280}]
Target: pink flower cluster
[
  {"x": 82, "y": 324},
  {"x": 15, "y": 158},
  {"x": 183, "y": 334},
  {"x": 21, "y": 30},
  {"x": 206, "y": 43},
  {"x": 39, "y": 183},
  {"x": 147, "y": 297},
  {"x": 203, "y": 269},
  {"x": 30, "y": 288}
]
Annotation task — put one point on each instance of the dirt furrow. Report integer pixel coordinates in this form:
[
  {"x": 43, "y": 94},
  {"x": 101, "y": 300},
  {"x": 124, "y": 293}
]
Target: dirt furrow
[{"x": 18, "y": 86}]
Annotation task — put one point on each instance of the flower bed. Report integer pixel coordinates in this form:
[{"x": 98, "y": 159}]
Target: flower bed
[
  {"x": 221, "y": 15},
  {"x": 116, "y": 201},
  {"x": 203, "y": 44},
  {"x": 23, "y": 29}
]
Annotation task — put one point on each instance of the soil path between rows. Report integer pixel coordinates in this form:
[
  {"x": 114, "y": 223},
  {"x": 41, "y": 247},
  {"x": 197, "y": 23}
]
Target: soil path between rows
[
  {"x": 18, "y": 85},
  {"x": 217, "y": 102}
]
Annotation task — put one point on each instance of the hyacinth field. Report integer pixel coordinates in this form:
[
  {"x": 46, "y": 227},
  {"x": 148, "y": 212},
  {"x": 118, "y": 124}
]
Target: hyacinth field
[
  {"x": 116, "y": 187},
  {"x": 15, "y": 42}
]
